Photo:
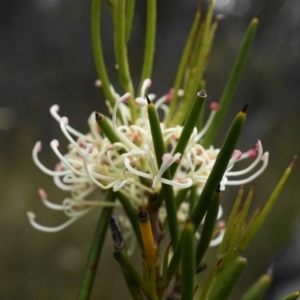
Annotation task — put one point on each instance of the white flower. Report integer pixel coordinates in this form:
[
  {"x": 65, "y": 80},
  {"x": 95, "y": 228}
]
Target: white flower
[{"x": 92, "y": 161}]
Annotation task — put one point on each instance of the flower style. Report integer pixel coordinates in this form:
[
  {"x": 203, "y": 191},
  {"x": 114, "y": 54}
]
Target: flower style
[{"x": 128, "y": 165}]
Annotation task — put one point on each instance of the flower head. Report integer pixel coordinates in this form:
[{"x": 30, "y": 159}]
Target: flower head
[{"x": 128, "y": 164}]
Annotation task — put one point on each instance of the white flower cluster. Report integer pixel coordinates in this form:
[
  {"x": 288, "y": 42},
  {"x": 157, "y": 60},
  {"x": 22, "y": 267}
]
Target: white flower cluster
[{"x": 94, "y": 162}]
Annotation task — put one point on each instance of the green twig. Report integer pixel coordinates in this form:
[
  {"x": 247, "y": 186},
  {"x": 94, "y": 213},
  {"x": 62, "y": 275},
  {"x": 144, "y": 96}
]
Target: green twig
[{"x": 95, "y": 251}]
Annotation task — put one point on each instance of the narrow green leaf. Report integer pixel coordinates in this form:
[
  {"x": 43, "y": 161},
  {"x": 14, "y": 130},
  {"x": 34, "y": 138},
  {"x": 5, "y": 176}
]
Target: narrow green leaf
[
  {"x": 230, "y": 224},
  {"x": 159, "y": 148},
  {"x": 225, "y": 282},
  {"x": 292, "y": 296},
  {"x": 122, "y": 56},
  {"x": 95, "y": 251},
  {"x": 163, "y": 286},
  {"x": 188, "y": 268},
  {"x": 240, "y": 222},
  {"x": 190, "y": 122},
  {"x": 231, "y": 84},
  {"x": 132, "y": 287},
  {"x": 193, "y": 198},
  {"x": 219, "y": 168},
  {"x": 149, "y": 42},
  {"x": 181, "y": 196},
  {"x": 174, "y": 263},
  {"x": 208, "y": 227},
  {"x": 193, "y": 83},
  {"x": 97, "y": 51},
  {"x": 108, "y": 130},
  {"x": 130, "y": 4},
  {"x": 131, "y": 213},
  {"x": 259, "y": 288},
  {"x": 125, "y": 263},
  {"x": 182, "y": 65},
  {"x": 256, "y": 224}
]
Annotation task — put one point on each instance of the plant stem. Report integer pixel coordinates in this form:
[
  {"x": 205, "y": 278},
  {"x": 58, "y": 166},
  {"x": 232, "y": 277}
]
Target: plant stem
[
  {"x": 97, "y": 51},
  {"x": 149, "y": 42},
  {"x": 95, "y": 251}
]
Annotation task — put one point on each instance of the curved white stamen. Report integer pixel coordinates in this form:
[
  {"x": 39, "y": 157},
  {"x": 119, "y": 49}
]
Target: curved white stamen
[
  {"x": 218, "y": 239},
  {"x": 124, "y": 99},
  {"x": 134, "y": 171},
  {"x": 70, "y": 178},
  {"x": 31, "y": 217},
  {"x": 182, "y": 185},
  {"x": 47, "y": 203},
  {"x": 220, "y": 212},
  {"x": 89, "y": 150},
  {"x": 265, "y": 159},
  {"x": 146, "y": 85},
  {"x": 94, "y": 128},
  {"x": 110, "y": 161},
  {"x": 36, "y": 149},
  {"x": 119, "y": 185},
  {"x": 236, "y": 155},
  {"x": 75, "y": 208},
  {"x": 80, "y": 194},
  {"x": 252, "y": 166},
  {"x": 54, "y": 145},
  {"x": 206, "y": 126},
  {"x": 58, "y": 182},
  {"x": 167, "y": 161},
  {"x": 63, "y": 123},
  {"x": 54, "y": 112},
  {"x": 140, "y": 102}
]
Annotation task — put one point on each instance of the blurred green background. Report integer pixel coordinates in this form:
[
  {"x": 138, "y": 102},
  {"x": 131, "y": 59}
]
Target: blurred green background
[{"x": 46, "y": 59}]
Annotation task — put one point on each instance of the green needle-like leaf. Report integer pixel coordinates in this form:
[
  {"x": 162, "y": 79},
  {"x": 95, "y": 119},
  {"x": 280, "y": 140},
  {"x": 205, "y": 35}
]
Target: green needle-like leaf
[
  {"x": 149, "y": 42},
  {"x": 231, "y": 84},
  {"x": 230, "y": 224},
  {"x": 131, "y": 213},
  {"x": 132, "y": 287},
  {"x": 208, "y": 227},
  {"x": 121, "y": 54},
  {"x": 188, "y": 268},
  {"x": 130, "y": 4},
  {"x": 194, "y": 81},
  {"x": 95, "y": 251},
  {"x": 108, "y": 130},
  {"x": 292, "y": 296},
  {"x": 182, "y": 65},
  {"x": 226, "y": 280},
  {"x": 219, "y": 168},
  {"x": 159, "y": 147},
  {"x": 163, "y": 286},
  {"x": 258, "y": 221},
  {"x": 190, "y": 122},
  {"x": 125, "y": 263},
  {"x": 97, "y": 51},
  {"x": 259, "y": 288}
]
